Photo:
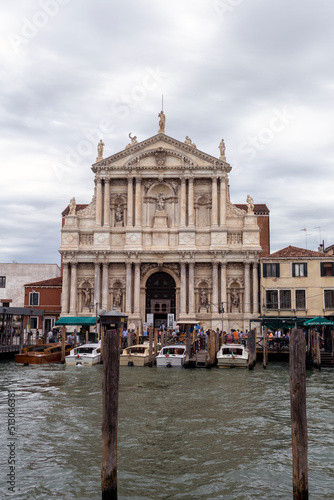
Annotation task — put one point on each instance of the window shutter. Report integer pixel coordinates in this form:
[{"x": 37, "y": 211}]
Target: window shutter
[
  {"x": 305, "y": 269},
  {"x": 264, "y": 270},
  {"x": 293, "y": 270},
  {"x": 321, "y": 268},
  {"x": 277, "y": 271}
]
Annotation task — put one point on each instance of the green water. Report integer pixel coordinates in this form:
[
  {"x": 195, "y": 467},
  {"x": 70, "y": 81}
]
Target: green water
[{"x": 197, "y": 434}]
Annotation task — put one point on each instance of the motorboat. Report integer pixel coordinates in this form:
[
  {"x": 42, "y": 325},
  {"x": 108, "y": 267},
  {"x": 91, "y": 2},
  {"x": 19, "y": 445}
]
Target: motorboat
[
  {"x": 172, "y": 355},
  {"x": 41, "y": 354},
  {"x": 232, "y": 355},
  {"x": 136, "y": 355},
  {"x": 86, "y": 354}
]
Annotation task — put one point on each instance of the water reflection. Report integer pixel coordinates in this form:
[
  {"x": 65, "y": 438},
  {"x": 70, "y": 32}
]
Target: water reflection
[{"x": 182, "y": 433}]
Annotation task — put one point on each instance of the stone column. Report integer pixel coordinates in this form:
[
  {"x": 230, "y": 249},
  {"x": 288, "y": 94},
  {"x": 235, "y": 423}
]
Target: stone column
[
  {"x": 105, "y": 285},
  {"x": 214, "y": 287},
  {"x": 138, "y": 203},
  {"x": 130, "y": 202},
  {"x": 191, "y": 288},
  {"x": 222, "y": 201},
  {"x": 223, "y": 291},
  {"x": 128, "y": 287},
  {"x": 73, "y": 296},
  {"x": 247, "y": 287},
  {"x": 106, "y": 219},
  {"x": 65, "y": 288},
  {"x": 183, "y": 289},
  {"x": 137, "y": 289},
  {"x": 97, "y": 281},
  {"x": 214, "y": 209},
  {"x": 98, "y": 202},
  {"x": 183, "y": 203},
  {"x": 191, "y": 202},
  {"x": 255, "y": 289}
]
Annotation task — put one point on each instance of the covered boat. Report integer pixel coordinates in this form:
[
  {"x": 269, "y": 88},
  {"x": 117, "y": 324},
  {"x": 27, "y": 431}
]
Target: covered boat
[
  {"x": 86, "y": 354},
  {"x": 173, "y": 355},
  {"x": 232, "y": 355},
  {"x": 136, "y": 355},
  {"x": 41, "y": 354}
]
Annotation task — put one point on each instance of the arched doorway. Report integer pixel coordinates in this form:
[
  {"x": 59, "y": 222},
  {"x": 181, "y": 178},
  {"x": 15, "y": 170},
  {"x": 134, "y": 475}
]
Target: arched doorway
[{"x": 160, "y": 298}]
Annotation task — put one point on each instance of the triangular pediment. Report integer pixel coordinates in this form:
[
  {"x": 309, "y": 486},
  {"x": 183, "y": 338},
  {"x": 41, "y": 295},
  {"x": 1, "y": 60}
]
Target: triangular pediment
[{"x": 161, "y": 148}]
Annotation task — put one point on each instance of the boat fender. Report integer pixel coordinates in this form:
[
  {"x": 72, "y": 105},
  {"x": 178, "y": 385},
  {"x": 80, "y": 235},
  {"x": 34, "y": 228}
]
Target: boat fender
[
  {"x": 26, "y": 363},
  {"x": 130, "y": 363},
  {"x": 168, "y": 365}
]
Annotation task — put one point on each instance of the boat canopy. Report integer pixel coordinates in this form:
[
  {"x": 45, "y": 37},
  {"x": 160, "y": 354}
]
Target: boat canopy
[{"x": 77, "y": 320}]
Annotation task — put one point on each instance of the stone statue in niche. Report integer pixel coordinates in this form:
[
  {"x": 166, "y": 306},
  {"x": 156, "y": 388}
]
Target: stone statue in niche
[
  {"x": 119, "y": 214},
  {"x": 118, "y": 298},
  {"x": 86, "y": 292},
  {"x": 161, "y": 203},
  {"x": 73, "y": 207},
  {"x": 203, "y": 298},
  {"x": 100, "y": 147},
  {"x": 235, "y": 300},
  {"x": 162, "y": 122},
  {"x": 250, "y": 204}
]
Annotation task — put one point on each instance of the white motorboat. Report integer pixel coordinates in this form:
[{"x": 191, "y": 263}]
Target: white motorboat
[
  {"x": 136, "y": 355},
  {"x": 232, "y": 355},
  {"x": 86, "y": 354},
  {"x": 172, "y": 355}
]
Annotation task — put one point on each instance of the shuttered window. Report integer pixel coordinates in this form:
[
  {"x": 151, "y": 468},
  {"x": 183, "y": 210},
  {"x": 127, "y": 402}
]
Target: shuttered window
[{"x": 271, "y": 270}]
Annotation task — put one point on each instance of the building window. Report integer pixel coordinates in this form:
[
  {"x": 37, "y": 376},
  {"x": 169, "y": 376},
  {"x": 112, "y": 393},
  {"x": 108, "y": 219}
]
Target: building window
[
  {"x": 285, "y": 299},
  {"x": 271, "y": 299},
  {"x": 271, "y": 270},
  {"x": 33, "y": 322},
  {"x": 329, "y": 299},
  {"x": 327, "y": 268},
  {"x": 2, "y": 281},
  {"x": 300, "y": 299},
  {"x": 33, "y": 299},
  {"x": 299, "y": 270}
]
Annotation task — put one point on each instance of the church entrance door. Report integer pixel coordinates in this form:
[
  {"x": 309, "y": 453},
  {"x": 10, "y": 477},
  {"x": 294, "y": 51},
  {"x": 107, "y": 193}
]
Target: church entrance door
[{"x": 160, "y": 297}]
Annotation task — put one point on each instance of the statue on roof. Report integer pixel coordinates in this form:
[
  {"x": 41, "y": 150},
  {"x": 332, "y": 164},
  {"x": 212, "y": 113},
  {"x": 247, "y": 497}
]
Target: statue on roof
[
  {"x": 73, "y": 207},
  {"x": 250, "y": 205},
  {"x": 222, "y": 149},
  {"x": 133, "y": 141},
  {"x": 100, "y": 147},
  {"x": 189, "y": 142},
  {"x": 162, "y": 122}
]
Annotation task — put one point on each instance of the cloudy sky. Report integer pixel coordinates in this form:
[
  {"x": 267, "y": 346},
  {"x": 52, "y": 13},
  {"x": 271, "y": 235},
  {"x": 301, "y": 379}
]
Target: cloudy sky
[{"x": 257, "y": 73}]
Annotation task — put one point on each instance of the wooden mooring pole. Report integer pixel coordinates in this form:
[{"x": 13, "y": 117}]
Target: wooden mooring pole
[
  {"x": 297, "y": 350},
  {"x": 265, "y": 348},
  {"x": 110, "y": 385},
  {"x": 63, "y": 335},
  {"x": 251, "y": 349}
]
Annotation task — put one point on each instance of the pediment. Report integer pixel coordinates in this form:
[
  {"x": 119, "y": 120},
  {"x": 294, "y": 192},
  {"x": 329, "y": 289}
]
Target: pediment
[{"x": 161, "y": 151}]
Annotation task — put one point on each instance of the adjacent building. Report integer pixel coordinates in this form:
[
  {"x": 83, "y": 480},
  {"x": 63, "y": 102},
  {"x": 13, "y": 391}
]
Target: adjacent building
[
  {"x": 161, "y": 239},
  {"x": 296, "y": 284},
  {"x": 45, "y": 296}
]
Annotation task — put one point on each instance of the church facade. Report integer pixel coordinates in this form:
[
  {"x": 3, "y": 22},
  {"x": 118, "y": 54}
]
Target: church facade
[{"x": 161, "y": 239}]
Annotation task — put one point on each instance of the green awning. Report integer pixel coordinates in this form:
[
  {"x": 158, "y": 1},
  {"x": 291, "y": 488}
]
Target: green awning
[
  {"x": 76, "y": 320},
  {"x": 319, "y": 321}
]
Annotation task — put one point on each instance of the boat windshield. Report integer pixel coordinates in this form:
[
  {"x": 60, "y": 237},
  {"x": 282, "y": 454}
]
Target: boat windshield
[
  {"x": 85, "y": 350},
  {"x": 136, "y": 350},
  {"x": 174, "y": 351},
  {"x": 234, "y": 351}
]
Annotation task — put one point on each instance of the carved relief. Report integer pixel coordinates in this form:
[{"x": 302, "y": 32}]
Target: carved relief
[
  {"x": 145, "y": 268},
  {"x": 234, "y": 238},
  {"x": 89, "y": 211},
  {"x": 86, "y": 239},
  {"x": 233, "y": 211}
]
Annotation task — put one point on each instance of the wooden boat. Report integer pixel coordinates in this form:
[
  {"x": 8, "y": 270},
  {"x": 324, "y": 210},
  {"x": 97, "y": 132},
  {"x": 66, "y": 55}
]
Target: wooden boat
[
  {"x": 41, "y": 354},
  {"x": 173, "y": 355},
  {"x": 136, "y": 355},
  {"x": 232, "y": 355},
  {"x": 86, "y": 354}
]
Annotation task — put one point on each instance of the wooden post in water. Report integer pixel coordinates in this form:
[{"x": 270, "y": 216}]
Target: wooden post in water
[
  {"x": 188, "y": 346},
  {"x": 251, "y": 350},
  {"x": 63, "y": 334},
  {"x": 150, "y": 339},
  {"x": 155, "y": 344},
  {"x": 265, "y": 347},
  {"x": 102, "y": 344},
  {"x": 317, "y": 351},
  {"x": 137, "y": 335},
  {"x": 110, "y": 385},
  {"x": 297, "y": 350}
]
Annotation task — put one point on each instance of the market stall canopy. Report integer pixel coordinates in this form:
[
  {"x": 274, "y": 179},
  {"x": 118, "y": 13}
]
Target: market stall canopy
[
  {"x": 319, "y": 321},
  {"x": 76, "y": 320}
]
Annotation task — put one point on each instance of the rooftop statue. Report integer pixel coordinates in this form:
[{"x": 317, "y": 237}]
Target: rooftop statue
[
  {"x": 133, "y": 141},
  {"x": 73, "y": 207},
  {"x": 100, "y": 147},
  {"x": 189, "y": 142},
  {"x": 162, "y": 122},
  {"x": 250, "y": 204},
  {"x": 222, "y": 149}
]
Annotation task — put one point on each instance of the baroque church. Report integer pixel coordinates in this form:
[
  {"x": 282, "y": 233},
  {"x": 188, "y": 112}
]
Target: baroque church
[{"x": 161, "y": 240}]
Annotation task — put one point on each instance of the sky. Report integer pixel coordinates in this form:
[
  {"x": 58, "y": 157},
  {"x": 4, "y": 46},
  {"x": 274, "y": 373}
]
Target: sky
[{"x": 259, "y": 74}]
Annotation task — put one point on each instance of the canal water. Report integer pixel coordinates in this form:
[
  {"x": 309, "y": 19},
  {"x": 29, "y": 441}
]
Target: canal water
[{"x": 183, "y": 434}]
